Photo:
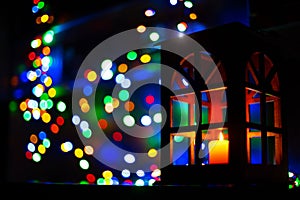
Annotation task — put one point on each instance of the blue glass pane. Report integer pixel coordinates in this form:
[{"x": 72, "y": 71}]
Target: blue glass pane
[
  {"x": 181, "y": 152},
  {"x": 255, "y": 150},
  {"x": 254, "y": 112}
]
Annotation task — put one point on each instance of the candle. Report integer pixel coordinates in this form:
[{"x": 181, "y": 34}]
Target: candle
[{"x": 218, "y": 150}]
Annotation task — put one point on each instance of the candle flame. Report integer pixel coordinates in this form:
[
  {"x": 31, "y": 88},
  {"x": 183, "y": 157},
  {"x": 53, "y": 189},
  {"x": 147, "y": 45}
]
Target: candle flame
[{"x": 221, "y": 137}]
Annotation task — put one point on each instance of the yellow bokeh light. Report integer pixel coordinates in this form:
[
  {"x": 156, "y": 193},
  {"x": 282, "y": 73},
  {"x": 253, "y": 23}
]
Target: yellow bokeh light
[
  {"x": 78, "y": 153},
  {"x": 48, "y": 81},
  {"x": 62, "y": 147},
  {"x": 91, "y": 76},
  {"x": 107, "y": 174},
  {"x": 46, "y": 117},
  {"x": 145, "y": 58},
  {"x": 41, "y": 149},
  {"x": 141, "y": 29},
  {"x": 52, "y": 92},
  {"x": 85, "y": 107},
  {"x": 152, "y": 153},
  {"x": 44, "y": 18},
  {"x": 108, "y": 181}
]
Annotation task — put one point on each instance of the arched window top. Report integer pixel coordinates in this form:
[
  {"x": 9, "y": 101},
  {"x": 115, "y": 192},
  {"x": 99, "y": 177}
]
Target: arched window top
[
  {"x": 210, "y": 69},
  {"x": 260, "y": 71}
]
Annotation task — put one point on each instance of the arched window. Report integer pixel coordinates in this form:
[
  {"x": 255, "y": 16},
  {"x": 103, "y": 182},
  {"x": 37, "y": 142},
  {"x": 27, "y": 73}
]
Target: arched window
[
  {"x": 198, "y": 105},
  {"x": 263, "y": 111}
]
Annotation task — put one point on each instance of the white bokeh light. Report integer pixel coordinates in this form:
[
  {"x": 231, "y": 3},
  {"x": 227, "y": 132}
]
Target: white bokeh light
[
  {"x": 129, "y": 158},
  {"x": 146, "y": 120}
]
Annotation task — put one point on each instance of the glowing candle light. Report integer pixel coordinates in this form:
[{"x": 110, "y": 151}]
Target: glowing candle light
[{"x": 218, "y": 150}]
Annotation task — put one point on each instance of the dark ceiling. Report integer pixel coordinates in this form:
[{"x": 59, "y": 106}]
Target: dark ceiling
[
  {"x": 18, "y": 22},
  {"x": 263, "y": 13}
]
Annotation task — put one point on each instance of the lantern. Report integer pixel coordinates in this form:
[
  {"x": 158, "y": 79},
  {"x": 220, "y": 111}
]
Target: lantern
[{"x": 224, "y": 123}]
